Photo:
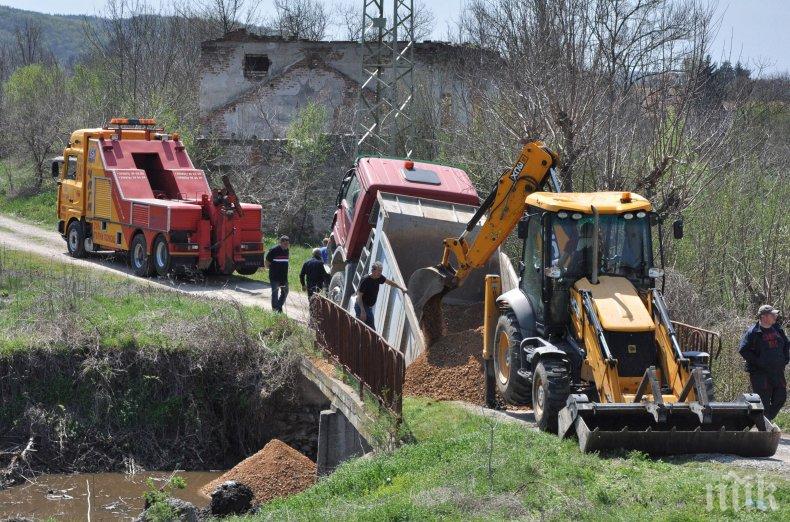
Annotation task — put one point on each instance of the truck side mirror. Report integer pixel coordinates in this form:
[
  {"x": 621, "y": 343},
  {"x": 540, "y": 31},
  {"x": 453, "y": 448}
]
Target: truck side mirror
[
  {"x": 677, "y": 229},
  {"x": 56, "y": 166},
  {"x": 523, "y": 228}
]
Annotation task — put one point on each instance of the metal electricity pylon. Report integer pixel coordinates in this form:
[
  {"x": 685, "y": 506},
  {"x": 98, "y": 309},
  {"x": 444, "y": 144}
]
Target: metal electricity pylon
[{"x": 383, "y": 120}]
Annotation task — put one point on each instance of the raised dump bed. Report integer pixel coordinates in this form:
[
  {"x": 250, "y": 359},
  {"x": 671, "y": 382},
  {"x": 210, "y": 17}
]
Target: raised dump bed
[{"x": 407, "y": 236}]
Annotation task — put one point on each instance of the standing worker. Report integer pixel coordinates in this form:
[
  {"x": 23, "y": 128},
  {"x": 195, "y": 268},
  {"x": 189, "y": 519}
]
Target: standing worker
[
  {"x": 313, "y": 275},
  {"x": 368, "y": 292},
  {"x": 277, "y": 263},
  {"x": 767, "y": 351}
]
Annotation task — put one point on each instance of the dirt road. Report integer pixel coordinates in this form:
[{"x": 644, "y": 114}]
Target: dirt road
[{"x": 17, "y": 235}]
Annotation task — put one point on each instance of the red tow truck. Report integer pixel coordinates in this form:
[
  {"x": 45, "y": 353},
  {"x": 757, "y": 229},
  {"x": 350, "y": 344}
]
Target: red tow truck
[{"x": 131, "y": 187}]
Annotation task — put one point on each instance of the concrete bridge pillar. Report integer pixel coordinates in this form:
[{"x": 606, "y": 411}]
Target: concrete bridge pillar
[{"x": 338, "y": 441}]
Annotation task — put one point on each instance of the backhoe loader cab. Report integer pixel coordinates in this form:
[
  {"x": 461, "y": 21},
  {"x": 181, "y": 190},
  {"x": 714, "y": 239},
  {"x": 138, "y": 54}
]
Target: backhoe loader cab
[{"x": 558, "y": 249}]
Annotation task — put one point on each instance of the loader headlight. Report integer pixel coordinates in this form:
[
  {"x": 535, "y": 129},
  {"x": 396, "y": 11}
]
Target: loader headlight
[
  {"x": 655, "y": 272},
  {"x": 640, "y": 215},
  {"x": 562, "y": 215}
]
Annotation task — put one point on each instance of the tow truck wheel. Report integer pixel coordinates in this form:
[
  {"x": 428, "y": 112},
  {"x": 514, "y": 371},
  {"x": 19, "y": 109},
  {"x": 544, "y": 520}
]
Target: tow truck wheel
[
  {"x": 337, "y": 286},
  {"x": 139, "y": 258},
  {"x": 75, "y": 239},
  {"x": 550, "y": 390},
  {"x": 162, "y": 258},
  {"x": 246, "y": 270},
  {"x": 507, "y": 342}
]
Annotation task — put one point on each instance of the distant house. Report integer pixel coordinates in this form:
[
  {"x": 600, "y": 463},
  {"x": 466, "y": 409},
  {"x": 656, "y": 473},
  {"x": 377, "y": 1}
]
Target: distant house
[{"x": 252, "y": 86}]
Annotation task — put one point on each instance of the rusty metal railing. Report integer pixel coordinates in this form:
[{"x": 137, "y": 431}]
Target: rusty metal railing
[
  {"x": 693, "y": 338},
  {"x": 362, "y": 352}
]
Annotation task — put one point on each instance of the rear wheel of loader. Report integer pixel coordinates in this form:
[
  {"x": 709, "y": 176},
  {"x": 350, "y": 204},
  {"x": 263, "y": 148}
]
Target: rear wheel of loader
[
  {"x": 75, "y": 239},
  {"x": 162, "y": 258},
  {"x": 507, "y": 340},
  {"x": 337, "y": 286},
  {"x": 139, "y": 258},
  {"x": 550, "y": 390},
  {"x": 246, "y": 270}
]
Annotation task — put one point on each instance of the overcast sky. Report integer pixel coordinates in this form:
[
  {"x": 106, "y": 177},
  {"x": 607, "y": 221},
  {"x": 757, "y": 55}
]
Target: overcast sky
[{"x": 756, "y": 32}]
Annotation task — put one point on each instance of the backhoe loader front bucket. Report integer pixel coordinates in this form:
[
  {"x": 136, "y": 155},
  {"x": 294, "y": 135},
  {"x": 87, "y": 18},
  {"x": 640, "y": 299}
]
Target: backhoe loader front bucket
[{"x": 738, "y": 428}]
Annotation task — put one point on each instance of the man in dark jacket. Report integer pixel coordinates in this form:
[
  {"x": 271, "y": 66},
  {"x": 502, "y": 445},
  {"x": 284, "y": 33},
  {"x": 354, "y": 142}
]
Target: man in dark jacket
[
  {"x": 767, "y": 351},
  {"x": 277, "y": 263},
  {"x": 368, "y": 293},
  {"x": 313, "y": 275}
]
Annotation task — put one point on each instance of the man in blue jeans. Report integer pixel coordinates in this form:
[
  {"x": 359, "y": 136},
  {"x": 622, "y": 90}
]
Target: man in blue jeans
[
  {"x": 766, "y": 350},
  {"x": 368, "y": 292},
  {"x": 277, "y": 263}
]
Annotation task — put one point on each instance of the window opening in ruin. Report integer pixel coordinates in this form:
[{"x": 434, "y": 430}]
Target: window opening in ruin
[{"x": 256, "y": 65}]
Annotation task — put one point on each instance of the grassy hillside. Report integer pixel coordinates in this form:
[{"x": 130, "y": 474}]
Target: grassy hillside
[
  {"x": 64, "y": 35},
  {"x": 48, "y": 305},
  {"x": 463, "y": 466}
]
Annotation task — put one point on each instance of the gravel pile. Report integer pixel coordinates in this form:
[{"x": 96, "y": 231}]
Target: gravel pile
[
  {"x": 452, "y": 368},
  {"x": 277, "y": 470}
]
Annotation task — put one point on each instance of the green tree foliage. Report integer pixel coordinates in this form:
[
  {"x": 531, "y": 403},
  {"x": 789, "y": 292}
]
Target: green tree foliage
[{"x": 35, "y": 108}]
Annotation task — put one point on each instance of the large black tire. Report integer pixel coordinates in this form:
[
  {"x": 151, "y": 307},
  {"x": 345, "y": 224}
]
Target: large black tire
[
  {"x": 246, "y": 270},
  {"x": 550, "y": 389},
  {"x": 337, "y": 287},
  {"x": 162, "y": 259},
  {"x": 507, "y": 340},
  {"x": 707, "y": 377},
  {"x": 75, "y": 239},
  {"x": 139, "y": 259}
]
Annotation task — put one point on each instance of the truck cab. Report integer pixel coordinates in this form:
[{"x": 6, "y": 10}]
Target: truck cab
[
  {"x": 356, "y": 199},
  {"x": 357, "y": 204}
]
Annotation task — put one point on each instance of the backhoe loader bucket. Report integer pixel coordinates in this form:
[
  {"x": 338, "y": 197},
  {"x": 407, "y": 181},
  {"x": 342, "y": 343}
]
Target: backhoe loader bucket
[
  {"x": 426, "y": 284},
  {"x": 738, "y": 428}
]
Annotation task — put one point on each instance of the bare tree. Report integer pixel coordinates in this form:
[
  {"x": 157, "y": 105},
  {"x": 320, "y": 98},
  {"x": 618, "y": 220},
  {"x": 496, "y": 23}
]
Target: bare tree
[
  {"x": 227, "y": 15},
  {"x": 348, "y": 20},
  {"x": 610, "y": 84},
  {"x": 304, "y": 19},
  {"x": 29, "y": 46}
]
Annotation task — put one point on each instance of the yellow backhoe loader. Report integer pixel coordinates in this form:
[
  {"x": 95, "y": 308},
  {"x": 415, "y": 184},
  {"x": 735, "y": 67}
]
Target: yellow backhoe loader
[{"x": 586, "y": 338}]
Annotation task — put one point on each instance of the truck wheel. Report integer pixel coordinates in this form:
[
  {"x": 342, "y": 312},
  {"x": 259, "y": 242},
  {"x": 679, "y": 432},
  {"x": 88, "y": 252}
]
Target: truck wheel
[
  {"x": 337, "y": 286},
  {"x": 75, "y": 239},
  {"x": 246, "y": 270},
  {"x": 507, "y": 340},
  {"x": 162, "y": 258},
  {"x": 139, "y": 258},
  {"x": 550, "y": 390}
]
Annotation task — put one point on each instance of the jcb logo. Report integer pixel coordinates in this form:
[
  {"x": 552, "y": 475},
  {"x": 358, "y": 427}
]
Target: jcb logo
[{"x": 517, "y": 170}]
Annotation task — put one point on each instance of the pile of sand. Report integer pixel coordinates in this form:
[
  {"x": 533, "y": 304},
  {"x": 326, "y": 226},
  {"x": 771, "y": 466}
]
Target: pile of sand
[
  {"x": 452, "y": 368},
  {"x": 277, "y": 470}
]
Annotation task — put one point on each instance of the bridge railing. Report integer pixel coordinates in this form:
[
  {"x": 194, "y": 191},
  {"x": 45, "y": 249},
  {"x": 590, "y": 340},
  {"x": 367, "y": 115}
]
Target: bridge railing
[
  {"x": 378, "y": 367},
  {"x": 693, "y": 338}
]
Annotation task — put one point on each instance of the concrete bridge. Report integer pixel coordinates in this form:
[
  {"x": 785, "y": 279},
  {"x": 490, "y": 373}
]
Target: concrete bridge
[{"x": 344, "y": 429}]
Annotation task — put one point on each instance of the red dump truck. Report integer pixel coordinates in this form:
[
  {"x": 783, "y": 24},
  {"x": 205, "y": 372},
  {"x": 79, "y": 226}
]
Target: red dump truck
[
  {"x": 397, "y": 212},
  {"x": 131, "y": 187}
]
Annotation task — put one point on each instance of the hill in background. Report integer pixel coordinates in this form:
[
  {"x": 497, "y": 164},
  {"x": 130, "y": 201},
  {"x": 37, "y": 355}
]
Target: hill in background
[{"x": 63, "y": 35}]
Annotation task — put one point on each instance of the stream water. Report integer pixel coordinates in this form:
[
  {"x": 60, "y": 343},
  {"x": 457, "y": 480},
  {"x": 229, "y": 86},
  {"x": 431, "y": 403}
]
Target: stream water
[{"x": 113, "y": 496}]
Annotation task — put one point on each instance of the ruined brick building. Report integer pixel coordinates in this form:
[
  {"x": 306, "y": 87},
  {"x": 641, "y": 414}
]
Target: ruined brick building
[{"x": 252, "y": 87}]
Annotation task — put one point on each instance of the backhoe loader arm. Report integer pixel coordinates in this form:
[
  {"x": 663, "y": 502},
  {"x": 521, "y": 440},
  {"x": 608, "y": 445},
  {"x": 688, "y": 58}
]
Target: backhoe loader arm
[{"x": 503, "y": 209}]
